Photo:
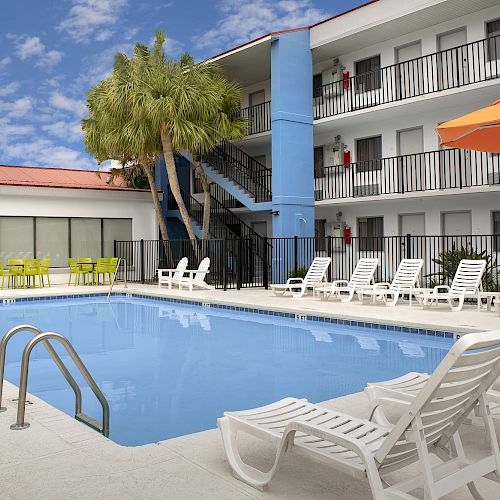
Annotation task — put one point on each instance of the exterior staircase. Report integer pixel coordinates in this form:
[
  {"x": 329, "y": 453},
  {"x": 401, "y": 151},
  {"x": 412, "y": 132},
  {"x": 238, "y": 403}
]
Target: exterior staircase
[{"x": 240, "y": 175}]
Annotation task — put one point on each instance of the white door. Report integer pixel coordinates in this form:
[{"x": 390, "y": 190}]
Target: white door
[
  {"x": 409, "y": 71},
  {"x": 458, "y": 226},
  {"x": 413, "y": 224},
  {"x": 453, "y": 67},
  {"x": 260, "y": 228},
  {"x": 257, "y": 111},
  {"x": 411, "y": 164}
]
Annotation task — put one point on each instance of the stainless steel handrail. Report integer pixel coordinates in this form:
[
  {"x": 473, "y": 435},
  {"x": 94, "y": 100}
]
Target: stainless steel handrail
[
  {"x": 23, "y": 382},
  {"x": 36, "y": 331},
  {"x": 113, "y": 281}
]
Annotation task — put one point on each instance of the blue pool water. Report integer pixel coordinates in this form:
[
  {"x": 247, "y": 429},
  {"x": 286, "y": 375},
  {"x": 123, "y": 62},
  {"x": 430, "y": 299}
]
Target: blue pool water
[{"x": 170, "y": 369}]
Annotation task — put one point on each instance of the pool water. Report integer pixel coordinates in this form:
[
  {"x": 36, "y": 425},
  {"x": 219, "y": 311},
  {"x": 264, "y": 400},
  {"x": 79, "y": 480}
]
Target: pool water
[{"x": 170, "y": 369}]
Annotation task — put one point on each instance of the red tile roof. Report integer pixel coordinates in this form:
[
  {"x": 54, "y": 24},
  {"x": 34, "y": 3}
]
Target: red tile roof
[{"x": 60, "y": 178}]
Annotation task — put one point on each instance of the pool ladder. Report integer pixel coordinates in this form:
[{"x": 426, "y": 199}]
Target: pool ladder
[{"x": 44, "y": 337}]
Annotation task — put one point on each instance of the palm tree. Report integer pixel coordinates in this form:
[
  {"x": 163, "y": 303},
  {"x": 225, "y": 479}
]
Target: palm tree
[
  {"x": 111, "y": 135},
  {"x": 189, "y": 106}
]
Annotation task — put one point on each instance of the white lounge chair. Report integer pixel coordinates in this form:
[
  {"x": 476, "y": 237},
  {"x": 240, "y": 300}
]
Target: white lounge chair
[
  {"x": 367, "y": 450},
  {"x": 343, "y": 289},
  {"x": 195, "y": 278},
  {"x": 466, "y": 283},
  {"x": 315, "y": 275},
  {"x": 166, "y": 276},
  {"x": 404, "y": 281}
]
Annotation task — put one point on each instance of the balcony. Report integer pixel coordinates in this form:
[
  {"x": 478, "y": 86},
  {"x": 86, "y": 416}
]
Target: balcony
[
  {"x": 430, "y": 171},
  {"x": 259, "y": 118},
  {"x": 457, "y": 67}
]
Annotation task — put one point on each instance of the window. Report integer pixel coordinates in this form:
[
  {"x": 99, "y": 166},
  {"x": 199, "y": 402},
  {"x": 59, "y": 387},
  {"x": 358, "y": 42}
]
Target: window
[
  {"x": 368, "y": 154},
  {"x": 319, "y": 162},
  {"x": 368, "y": 74},
  {"x": 115, "y": 229},
  {"x": 319, "y": 232},
  {"x": 496, "y": 231},
  {"x": 318, "y": 85},
  {"x": 86, "y": 238},
  {"x": 371, "y": 233},
  {"x": 16, "y": 238},
  {"x": 493, "y": 33},
  {"x": 52, "y": 240}
]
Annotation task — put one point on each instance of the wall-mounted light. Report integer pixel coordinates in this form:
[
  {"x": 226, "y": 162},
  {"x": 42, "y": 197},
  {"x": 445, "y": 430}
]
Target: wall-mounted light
[{"x": 275, "y": 212}]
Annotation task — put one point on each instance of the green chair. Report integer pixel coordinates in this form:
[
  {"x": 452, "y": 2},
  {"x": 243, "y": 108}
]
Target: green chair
[
  {"x": 113, "y": 267},
  {"x": 16, "y": 270},
  {"x": 102, "y": 268},
  {"x": 74, "y": 271},
  {"x": 5, "y": 273},
  {"x": 32, "y": 270},
  {"x": 86, "y": 270},
  {"x": 44, "y": 270}
]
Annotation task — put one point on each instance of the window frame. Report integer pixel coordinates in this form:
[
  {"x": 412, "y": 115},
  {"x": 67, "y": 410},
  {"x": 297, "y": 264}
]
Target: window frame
[
  {"x": 373, "y": 76},
  {"x": 372, "y": 164},
  {"x": 374, "y": 242}
]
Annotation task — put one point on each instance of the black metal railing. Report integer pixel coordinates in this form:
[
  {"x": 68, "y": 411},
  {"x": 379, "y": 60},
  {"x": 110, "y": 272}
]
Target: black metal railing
[
  {"x": 245, "y": 171},
  {"x": 243, "y": 262},
  {"x": 429, "y": 171},
  {"x": 223, "y": 197},
  {"x": 259, "y": 118},
  {"x": 456, "y": 67}
]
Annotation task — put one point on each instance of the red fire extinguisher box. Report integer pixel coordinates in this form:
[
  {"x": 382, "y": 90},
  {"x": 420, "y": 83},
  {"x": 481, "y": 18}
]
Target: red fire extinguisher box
[
  {"x": 347, "y": 157},
  {"x": 345, "y": 80}
]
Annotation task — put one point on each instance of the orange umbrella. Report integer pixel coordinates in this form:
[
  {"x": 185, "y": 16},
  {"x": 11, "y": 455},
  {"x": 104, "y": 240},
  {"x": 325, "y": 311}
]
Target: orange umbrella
[{"x": 479, "y": 130}]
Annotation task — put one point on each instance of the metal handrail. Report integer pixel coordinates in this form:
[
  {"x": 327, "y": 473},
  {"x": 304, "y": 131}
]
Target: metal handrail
[
  {"x": 113, "y": 280},
  {"x": 67, "y": 375},
  {"x": 23, "y": 383}
]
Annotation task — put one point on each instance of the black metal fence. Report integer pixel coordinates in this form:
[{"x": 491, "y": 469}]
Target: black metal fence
[
  {"x": 259, "y": 117},
  {"x": 429, "y": 171},
  {"x": 258, "y": 262},
  {"x": 456, "y": 67}
]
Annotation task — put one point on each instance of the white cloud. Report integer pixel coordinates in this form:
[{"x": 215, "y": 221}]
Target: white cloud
[
  {"x": 5, "y": 62},
  {"x": 86, "y": 18},
  {"x": 49, "y": 59},
  {"x": 242, "y": 21},
  {"x": 64, "y": 103},
  {"x": 18, "y": 108},
  {"x": 8, "y": 89},
  {"x": 10, "y": 130},
  {"x": 28, "y": 46},
  {"x": 63, "y": 130}
]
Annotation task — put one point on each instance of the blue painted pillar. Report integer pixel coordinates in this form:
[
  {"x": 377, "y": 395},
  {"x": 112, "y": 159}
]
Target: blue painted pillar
[{"x": 292, "y": 135}]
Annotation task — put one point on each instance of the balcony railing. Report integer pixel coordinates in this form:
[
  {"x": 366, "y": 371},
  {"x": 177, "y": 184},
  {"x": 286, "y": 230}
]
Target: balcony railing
[
  {"x": 457, "y": 67},
  {"x": 259, "y": 117},
  {"x": 433, "y": 170}
]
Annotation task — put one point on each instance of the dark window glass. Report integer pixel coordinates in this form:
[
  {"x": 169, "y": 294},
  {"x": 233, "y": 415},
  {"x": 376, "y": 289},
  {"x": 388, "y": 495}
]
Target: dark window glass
[
  {"x": 371, "y": 234},
  {"x": 319, "y": 232},
  {"x": 496, "y": 231},
  {"x": 319, "y": 162},
  {"x": 317, "y": 85},
  {"x": 368, "y": 74},
  {"x": 369, "y": 154},
  {"x": 493, "y": 33}
]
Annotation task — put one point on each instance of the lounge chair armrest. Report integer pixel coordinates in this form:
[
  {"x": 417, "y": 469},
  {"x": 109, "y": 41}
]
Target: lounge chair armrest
[
  {"x": 445, "y": 288},
  {"x": 340, "y": 283},
  {"x": 330, "y": 435},
  {"x": 390, "y": 402},
  {"x": 290, "y": 281},
  {"x": 381, "y": 286}
]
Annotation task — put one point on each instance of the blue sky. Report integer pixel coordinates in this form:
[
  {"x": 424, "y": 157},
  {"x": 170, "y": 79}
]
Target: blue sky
[{"x": 53, "y": 51}]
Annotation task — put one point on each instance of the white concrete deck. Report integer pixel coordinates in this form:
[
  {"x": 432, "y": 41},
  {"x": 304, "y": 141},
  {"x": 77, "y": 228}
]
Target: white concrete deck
[{"x": 60, "y": 458}]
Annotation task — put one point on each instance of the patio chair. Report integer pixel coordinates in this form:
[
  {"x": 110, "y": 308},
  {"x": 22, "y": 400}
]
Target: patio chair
[
  {"x": 86, "y": 270},
  {"x": 75, "y": 271},
  {"x": 113, "y": 269},
  {"x": 5, "y": 273},
  {"x": 343, "y": 289},
  {"x": 45, "y": 270},
  {"x": 466, "y": 283},
  {"x": 367, "y": 450},
  {"x": 32, "y": 270},
  {"x": 16, "y": 270},
  {"x": 101, "y": 269},
  {"x": 165, "y": 276},
  {"x": 403, "y": 283},
  {"x": 195, "y": 277},
  {"x": 314, "y": 277}
]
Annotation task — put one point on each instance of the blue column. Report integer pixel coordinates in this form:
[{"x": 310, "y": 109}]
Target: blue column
[{"x": 292, "y": 135}]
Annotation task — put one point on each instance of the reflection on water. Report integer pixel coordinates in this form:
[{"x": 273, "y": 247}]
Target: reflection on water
[{"x": 169, "y": 369}]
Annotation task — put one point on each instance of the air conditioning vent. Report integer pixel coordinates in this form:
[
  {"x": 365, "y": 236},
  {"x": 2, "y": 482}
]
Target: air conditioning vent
[
  {"x": 367, "y": 190},
  {"x": 493, "y": 178}
]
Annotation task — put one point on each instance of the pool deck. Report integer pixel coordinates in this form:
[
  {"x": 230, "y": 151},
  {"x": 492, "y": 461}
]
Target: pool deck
[{"x": 60, "y": 458}]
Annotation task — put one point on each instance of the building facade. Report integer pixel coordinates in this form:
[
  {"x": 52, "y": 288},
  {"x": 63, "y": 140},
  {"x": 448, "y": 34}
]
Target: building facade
[{"x": 342, "y": 119}]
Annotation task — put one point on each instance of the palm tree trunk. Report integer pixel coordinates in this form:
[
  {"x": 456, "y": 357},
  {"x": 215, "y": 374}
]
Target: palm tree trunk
[
  {"x": 206, "y": 199},
  {"x": 174, "y": 181},
  {"x": 156, "y": 200}
]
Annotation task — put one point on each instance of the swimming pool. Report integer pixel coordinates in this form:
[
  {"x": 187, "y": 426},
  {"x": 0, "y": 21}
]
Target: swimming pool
[{"x": 169, "y": 369}]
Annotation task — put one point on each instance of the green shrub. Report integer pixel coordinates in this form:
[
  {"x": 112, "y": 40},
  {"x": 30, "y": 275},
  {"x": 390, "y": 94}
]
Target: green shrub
[
  {"x": 300, "y": 272},
  {"x": 449, "y": 261}
]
